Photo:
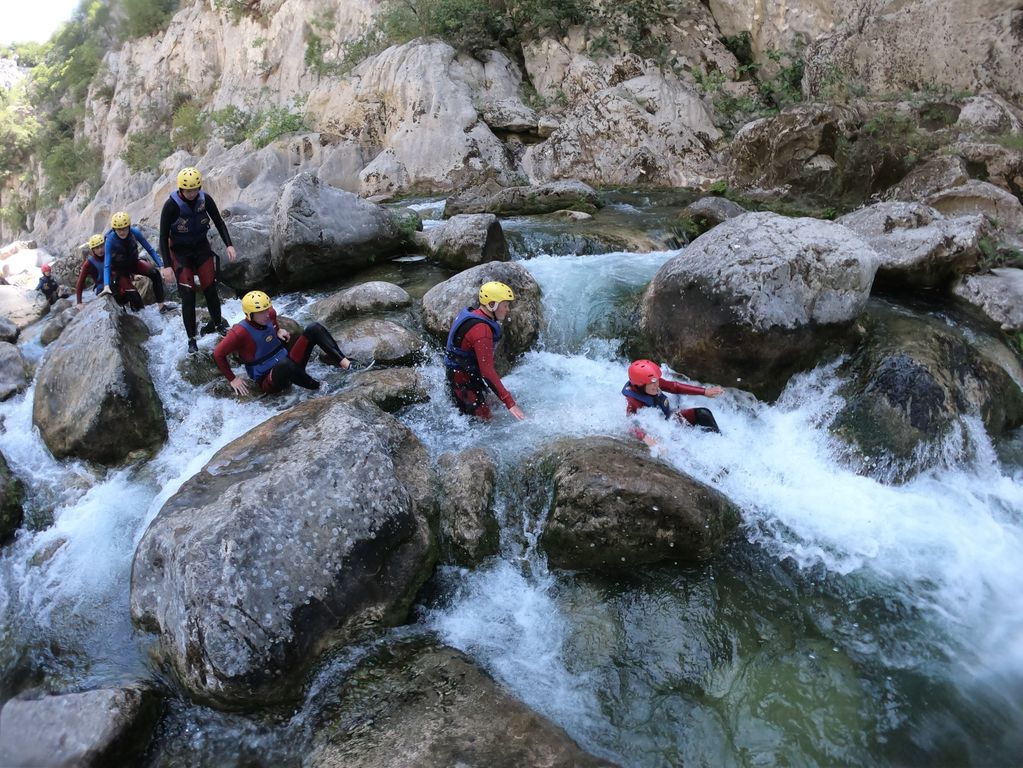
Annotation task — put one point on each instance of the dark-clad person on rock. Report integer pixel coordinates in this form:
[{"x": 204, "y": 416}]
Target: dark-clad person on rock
[
  {"x": 49, "y": 287},
  {"x": 259, "y": 342},
  {"x": 646, "y": 388},
  {"x": 92, "y": 268},
  {"x": 470, "y": 353},
  {"x": 121, "y": 260},
  {"x": 184, "y": 242}
]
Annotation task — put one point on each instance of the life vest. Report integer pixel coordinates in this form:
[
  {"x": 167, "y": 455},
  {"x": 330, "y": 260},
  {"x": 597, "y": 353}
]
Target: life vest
[
  {"x": 123, "y": 252},
  {"x": 269, "y": 350},
  {"x": 192, "y": 224},
  {"x": 97, "y": 264},
  {"x": 459, "y": 359},
  {"x": 657, "y": 401}
]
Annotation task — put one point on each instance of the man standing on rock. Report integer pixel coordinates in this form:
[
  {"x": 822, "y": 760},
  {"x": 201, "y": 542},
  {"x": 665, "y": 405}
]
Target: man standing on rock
[
  {"x": 259, "y": 342},
  {"x": 184, "y": 226},
  {"x": 470, "y": 353}
]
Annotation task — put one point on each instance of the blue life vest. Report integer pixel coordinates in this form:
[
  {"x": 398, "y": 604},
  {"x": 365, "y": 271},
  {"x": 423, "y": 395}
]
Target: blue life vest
[
  {"x": 269, "y": 350},
  {"x": 657, "y": 401},
  {"x": 97, "y": 264},
  {"x": 459, "y": 359},
  {"x": 192, "y": 224},
  {"x": 123, "y": 252}
]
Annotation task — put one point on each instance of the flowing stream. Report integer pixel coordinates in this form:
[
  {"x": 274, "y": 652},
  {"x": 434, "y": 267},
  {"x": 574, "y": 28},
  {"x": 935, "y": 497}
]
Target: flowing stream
[{"x": 851, "y": 623}]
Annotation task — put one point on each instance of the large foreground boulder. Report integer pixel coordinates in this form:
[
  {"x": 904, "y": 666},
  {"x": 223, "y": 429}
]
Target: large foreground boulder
[
  {"x": 911, "y": 382},
  {"x": 319, "y": 232},
  {"x": 522, "y": 327},
  {"x": 250, "y": 235},
  {"x": 422, "y": 705},
  {"x": 105, "y": 727},
  {"x": 301, "y": 533},
  {"x": 757, "y": 299},
  {"x": 94, "y": 397},
  {"x": 613, "y": 506}
]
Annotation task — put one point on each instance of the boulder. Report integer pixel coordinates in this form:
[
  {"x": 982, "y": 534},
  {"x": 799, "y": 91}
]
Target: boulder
[
  {"x": 612, "y": 506},
  {"x": 382, "y": 340},
  {"x": 937, "y": 173},
  {"x": 705, "y": 214},
  {"x": 365, "y": 298},
  {"x": 989, "y": 113},
  {"x": 12, "y": 493},
  {"x": 442, "y": 303},
  {"x": 998, "y": 294},
  {"x": 319, "y": 232},
  {"x": 418, "y": 704},
  {"x": 9, "y": 332},
  {"x": 919, "y": 248},
  {"x": 910, "y": 383},
  {"x": 508, "y": 115},
  {"x": 390, "y": 389},
  {"x": 94, "y": 397},
  {"x": 995, "y": 163},
  {"x": 104, "y": 727},
  {"x": 469, "y": 531},
  {"x": 13, "y": 376},
  {"x": 465, "y": 241},
  {"x": 1003, "y": 208},
  {"x": 756, "y": 299},
  {"x": 56, "y": 326},
  {"x": 311, "y": 527},
  {"x": 22, "y": 306},
  {"x": 524, "y": 201},
  {"x": 250, "y": 235}
]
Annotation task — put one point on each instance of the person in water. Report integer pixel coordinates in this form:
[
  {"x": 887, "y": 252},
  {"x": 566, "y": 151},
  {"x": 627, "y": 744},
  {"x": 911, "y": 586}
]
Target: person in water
[
  {"x": 259, "y": 342},
  {"x": 646, "y": 388},
  {"x": 184, "y": 227},
  {"x": 91, "y": 269},
  {"x": 49, "y": 287},
  {"x": 121, "y": 260},
  {"x": 469, "y": 361}
]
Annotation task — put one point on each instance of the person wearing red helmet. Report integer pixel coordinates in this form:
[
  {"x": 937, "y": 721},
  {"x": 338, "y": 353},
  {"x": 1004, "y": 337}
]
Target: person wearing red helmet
[
  {"x": 646, "y": 388},
  {"x": 49, "y": 287}
]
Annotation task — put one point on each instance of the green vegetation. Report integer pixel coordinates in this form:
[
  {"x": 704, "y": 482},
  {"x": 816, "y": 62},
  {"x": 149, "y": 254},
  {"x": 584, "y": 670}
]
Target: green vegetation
[{"x": 146, "y": 17}]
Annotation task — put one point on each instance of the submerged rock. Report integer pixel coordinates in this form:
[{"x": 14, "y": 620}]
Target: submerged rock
[
  {"x": 295, "y": 537},
  {"x": 613, "y": 506},
  {"x": 422, "y": 705},
  {"x": 756, "y": 299},
  {"x": 94, "y": 397},
  {"x": 105, "y": 727},
  {"x": 913, "y": 379}
]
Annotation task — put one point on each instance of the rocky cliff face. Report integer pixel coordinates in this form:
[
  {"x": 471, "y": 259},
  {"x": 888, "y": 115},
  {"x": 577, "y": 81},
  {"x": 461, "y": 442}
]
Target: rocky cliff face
[{"x": 422, "y": 118}]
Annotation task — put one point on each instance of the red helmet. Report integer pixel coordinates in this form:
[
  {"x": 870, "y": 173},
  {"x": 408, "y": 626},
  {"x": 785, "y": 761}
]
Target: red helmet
[
  {"x": 643, "y": 372},
  {"x": 45, "y": 269}
]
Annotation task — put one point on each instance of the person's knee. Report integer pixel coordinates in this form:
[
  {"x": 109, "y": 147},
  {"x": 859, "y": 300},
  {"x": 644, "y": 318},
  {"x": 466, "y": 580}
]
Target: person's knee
[{"x": 186, "y": 293}]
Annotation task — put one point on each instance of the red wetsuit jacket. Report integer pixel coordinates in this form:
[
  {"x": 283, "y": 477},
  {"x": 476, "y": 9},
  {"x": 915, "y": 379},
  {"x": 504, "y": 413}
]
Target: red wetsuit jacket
[
  {"x": 86, "y": 271},
  {"x": 633, "y": 405},
  {"x": 239, "y": 341}
]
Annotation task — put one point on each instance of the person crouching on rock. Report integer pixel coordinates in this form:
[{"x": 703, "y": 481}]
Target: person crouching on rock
[
  {"x": 49, "y": 287},
  {"x": 646, "y": 388},
  {"x": 121, "y": 260},
  {"x": 259, "y": 342},
  {"x": 470, "y": 353},
  {"x": 92, "y": 268}
]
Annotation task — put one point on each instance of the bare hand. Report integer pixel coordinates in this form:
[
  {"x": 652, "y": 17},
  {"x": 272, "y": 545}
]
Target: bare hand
[
  {"x": 345, "y": 363},
  {"x": 239, "y": 386},
  {"x": 167, "y": 274},
  {"x": 649, "y": 441},
  {"x": 712, "y": 391},
  {"x": 106, "y": 291},
  {"x": 283, "y": 335},
  {"x": 232, "y": 255},
  {"x": 517, "y": 412}
]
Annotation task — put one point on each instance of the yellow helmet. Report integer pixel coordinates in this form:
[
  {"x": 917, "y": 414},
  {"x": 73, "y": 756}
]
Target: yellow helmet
[
  {"x": 95, "y": 241},
  {"x": 495, "y": 291},
  {"x": 120, "y": 220},
  {"x": 189, "y": 178},
  {"x": 255, "y": 301}
]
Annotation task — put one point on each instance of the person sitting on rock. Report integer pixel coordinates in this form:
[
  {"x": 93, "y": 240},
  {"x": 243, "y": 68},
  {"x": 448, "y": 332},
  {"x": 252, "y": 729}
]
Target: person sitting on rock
[
  {"x": 469, "y": 361},
  {"x": 259, "y": 342},
  {"x": 184, "y": 227},
  {"x": 645, "y": 387},
  {"x": 92, "y": 268},
  {"x": 49, "y": 287},
  {"x": 121, "y": 260}
]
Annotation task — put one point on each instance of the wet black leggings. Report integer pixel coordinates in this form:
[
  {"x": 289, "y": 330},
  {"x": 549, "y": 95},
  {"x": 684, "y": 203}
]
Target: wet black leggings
[
  {"x": 187, "y": 295},
  {"x": 700, "y": 417},
  {"x": 291, "y": 370}
]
